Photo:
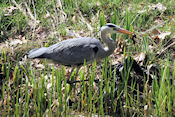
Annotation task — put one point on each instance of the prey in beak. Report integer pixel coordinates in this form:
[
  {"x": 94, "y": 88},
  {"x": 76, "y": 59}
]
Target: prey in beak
[{"x": 132, "y": 35}]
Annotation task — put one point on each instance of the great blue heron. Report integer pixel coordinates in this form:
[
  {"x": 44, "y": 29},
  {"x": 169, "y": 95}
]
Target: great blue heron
[{"x": 74, "y": 52}]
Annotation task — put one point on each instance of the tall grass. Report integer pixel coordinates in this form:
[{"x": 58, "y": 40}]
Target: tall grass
[{"x": 32, "y": 95}]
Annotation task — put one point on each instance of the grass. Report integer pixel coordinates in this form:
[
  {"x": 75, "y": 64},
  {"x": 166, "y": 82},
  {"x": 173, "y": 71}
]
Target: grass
[{"x": 27, "y": 90}]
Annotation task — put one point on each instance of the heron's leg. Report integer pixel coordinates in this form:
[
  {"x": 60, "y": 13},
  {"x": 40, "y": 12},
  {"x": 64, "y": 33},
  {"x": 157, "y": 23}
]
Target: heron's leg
[
  {"x": 68, "y": 78},
  {"x": 78, "y": 68},
  {"x": 78, "y": 81},
  {"x": 76, "y": 74}
]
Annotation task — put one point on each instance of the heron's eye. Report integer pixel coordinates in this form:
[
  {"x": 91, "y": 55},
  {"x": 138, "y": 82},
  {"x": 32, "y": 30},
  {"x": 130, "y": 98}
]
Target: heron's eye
[{"x": 112, "y": 26}]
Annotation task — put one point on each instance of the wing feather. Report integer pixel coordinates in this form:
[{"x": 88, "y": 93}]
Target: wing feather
[{"x": 73, "y": 51}]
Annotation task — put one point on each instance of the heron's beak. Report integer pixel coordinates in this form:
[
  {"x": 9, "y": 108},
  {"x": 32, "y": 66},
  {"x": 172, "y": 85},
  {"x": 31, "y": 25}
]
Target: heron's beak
[{"x": 121, "y": 30}]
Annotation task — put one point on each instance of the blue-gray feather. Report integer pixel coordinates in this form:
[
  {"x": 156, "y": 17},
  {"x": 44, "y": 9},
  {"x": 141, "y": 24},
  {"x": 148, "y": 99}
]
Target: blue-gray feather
[{"x": 70, "y": 52}]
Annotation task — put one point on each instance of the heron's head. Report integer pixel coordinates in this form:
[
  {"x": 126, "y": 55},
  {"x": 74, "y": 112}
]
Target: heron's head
[{"x": 112, "y": 28}]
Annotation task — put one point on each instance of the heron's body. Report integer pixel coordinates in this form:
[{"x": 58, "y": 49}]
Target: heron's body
[{"x": 67, "y": 52}]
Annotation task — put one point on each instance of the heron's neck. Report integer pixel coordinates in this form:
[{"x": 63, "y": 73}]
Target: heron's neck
[{"x": 111, "y": 45}]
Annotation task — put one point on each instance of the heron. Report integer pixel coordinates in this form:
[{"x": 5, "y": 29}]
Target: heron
[{"x": 74, "y": 52}]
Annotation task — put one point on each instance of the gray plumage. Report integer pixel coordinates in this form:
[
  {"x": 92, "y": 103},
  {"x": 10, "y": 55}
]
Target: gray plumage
[
  {"x": 68, "y": 52},
  {"x": 76, "y": 51}
]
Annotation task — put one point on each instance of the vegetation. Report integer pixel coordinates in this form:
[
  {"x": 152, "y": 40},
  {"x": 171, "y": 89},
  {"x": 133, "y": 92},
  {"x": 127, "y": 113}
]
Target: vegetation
[{"x": 38, "y": 88}]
